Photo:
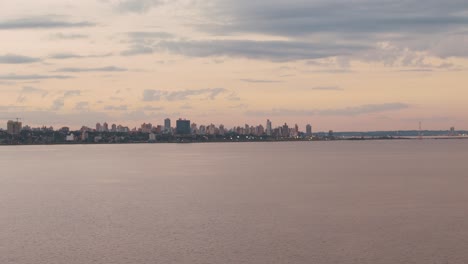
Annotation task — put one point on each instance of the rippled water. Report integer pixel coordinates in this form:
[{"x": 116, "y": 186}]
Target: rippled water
[{"x": 319, "y": 202}]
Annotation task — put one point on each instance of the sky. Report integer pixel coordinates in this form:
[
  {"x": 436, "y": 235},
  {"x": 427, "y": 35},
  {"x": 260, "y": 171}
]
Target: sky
[{"x": 343, "y": 65}]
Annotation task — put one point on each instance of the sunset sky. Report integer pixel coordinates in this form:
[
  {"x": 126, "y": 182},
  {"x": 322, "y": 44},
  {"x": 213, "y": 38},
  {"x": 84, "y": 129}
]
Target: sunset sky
[{"x": 342, "y": 65}]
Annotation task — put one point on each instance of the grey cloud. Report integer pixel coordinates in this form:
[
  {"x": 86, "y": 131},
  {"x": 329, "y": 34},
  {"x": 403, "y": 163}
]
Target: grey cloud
[
  {"x": 158, "y": 95},
  {"x": 63, "y": 56},
  {"x": 265, "y": 50},
  {"x": 68, "y": 36},
  {"x": 58, "y": 104},
  {"x": 436, "y": 27},
  {"x": 17, "y": 59},
  {"x": 348, "y": 111},
  {"x": 142, "y": 42},
  {"x": 142, "y": 35},
  {"x": 42, "y": 23},
  {"x": 327, "y": 88},
  {"x": 137, "y": 50},
  {"x": 259, "y": 81},
  {"x": 28, "y": 90},
  {"x": 101, "y": 69},
  {"x": 17, "y": 77},
  {"x": 137, "y": 6},
  {"x": 300, "y": 18}
]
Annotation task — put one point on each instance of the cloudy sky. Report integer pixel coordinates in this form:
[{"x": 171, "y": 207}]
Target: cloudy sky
[{"x": 337, "y": 64}]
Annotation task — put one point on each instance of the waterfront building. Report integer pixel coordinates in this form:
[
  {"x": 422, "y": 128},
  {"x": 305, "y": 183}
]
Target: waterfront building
[
  {"x": 14, "y": 127},
  {"x": 70, "y": 137},
  {"x": 146, "y": 128},
  {"x": 308, "y": 130},
  {"x": 183, "y": 127},
  {"x": 285, "y": 130},
  {"x": 268, "y": 128},
  {"x": 167, "y": 125},
  {"x": 98, "y": 127}
]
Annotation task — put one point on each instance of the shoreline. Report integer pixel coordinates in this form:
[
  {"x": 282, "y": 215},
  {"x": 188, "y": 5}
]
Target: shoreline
[{"x": 240, "y": 141}]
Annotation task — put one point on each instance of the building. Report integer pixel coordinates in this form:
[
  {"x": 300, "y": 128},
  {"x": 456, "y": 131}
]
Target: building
[
  {"x": 167, "y": 125},
  {"x": 98, "y": 127},
  {"x": 285, "y": 130},
  {"x": 70, "y": 137},
  {"x": 452, "y": 132},
  {"x": 14, "y": 127},
  {"x": 183, "y": 127},
  {"x": 268, "y": 128},
  {"x": 152, "y": 137},
  {"x": 308, "y": 130}
]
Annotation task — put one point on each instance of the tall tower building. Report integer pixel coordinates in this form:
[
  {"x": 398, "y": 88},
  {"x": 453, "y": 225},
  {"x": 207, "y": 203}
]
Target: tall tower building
[
  {"x": 167, "y": 125},
  {"x": 268, "y": 128}
]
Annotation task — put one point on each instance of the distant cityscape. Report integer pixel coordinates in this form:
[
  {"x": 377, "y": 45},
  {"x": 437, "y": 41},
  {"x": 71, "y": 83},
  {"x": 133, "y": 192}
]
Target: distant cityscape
[{"x": 186, "y": 131}]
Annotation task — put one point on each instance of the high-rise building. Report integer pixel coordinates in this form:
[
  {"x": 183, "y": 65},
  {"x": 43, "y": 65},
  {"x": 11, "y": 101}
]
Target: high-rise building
[
  {"x": 105, "y": 127},
  {"x": 167, "y": 125},
  {"x": 183, "y": 127},
  {"x": 268, "y": 128},
  {"x": 285, "y": 130},
  {"x": 308, "y": 130},
  {"x": 98, "y": 127},
  {"x": 14, "y": 127}
]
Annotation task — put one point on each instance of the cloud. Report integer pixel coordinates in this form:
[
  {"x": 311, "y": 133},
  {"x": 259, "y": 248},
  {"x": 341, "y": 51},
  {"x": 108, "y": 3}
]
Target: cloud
[
  {"x": 17, "y": 59},
  {"x": 348, "y": 111},
  {"x": 116, "y": 108},
  {"x": 101, "y": 69},
  {"x": 17, "y": 77},
  {"x": 259, "y": 81},
  {"x": 42, "y": 23},
  {"x": 305, "y": 18},
  {"x": 145, "y": 35},
  {"x": 71, "y": 93},
  {"x": 28, "y": 90},
  {"x": 66, "y": 36},
  {"x": 63, "y": 56},
  {"x": 82, "y": 106},
  {"x": 158, "y": 95},
  {"x": 264, "y": 50},
  {"x": 142, "y": 42},
  {"x": 326, "y": 88},
  {"x": 137, "y": 50},
  {"x": 137, "y": 6},
  {"x": 58, "y": 104},
  {"x": 433, "y": 27}
]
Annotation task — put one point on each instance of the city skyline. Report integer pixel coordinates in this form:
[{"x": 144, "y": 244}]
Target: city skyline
[{"x": 340, "y": 65}]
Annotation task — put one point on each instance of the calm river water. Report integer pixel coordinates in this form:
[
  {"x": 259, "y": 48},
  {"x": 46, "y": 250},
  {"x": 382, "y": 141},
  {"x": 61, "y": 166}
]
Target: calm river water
[{"x": 261, "y": 203}]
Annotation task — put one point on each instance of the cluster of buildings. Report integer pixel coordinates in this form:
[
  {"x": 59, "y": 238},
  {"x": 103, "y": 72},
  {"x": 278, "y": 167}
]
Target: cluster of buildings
[
  {"x": 182, "y": 127},
  {"x": 185, "y": 127}
]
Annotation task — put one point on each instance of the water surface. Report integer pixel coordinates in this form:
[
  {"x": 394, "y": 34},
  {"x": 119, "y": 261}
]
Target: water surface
[{"x": 305, "y": 202}]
